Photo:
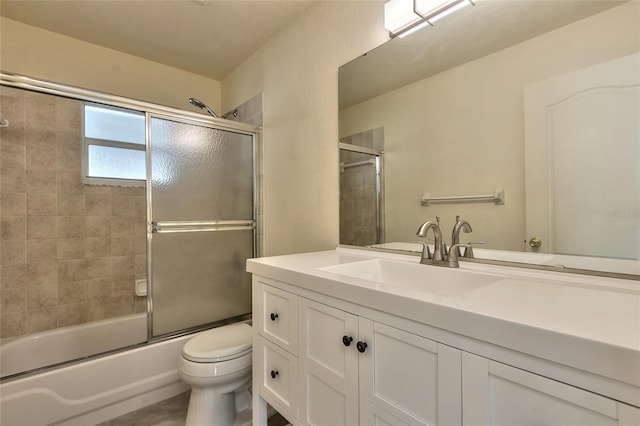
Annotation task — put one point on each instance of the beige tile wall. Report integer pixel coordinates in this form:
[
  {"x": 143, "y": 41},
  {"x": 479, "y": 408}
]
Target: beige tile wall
[{"x": 69, "y": 253}]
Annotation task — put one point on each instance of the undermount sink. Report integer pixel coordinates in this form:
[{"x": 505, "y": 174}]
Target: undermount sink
[{"x": 432, "y": 279}]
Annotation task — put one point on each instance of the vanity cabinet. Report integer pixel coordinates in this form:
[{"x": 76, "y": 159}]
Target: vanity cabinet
[
  {"x": 497, "y": 394},
  {"x": 321, "y": 360},
  {"x": 354, "y": 370},
  {"x": 349, "y": 369}
]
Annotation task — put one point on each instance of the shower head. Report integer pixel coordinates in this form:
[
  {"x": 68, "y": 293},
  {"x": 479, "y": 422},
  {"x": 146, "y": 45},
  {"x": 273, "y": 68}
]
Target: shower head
[
  {"x": 195, "y": 102},
  {"x": 234, "y": 113}
]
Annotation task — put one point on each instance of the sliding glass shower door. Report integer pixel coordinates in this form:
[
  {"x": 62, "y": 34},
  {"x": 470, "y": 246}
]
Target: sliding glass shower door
[{"x": 202, "y": 224}]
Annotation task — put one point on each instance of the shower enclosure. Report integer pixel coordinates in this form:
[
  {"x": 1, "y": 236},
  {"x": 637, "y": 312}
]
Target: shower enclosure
[
  {"x": 74, "y": 255},
  {"x": 361, "y": 188}
]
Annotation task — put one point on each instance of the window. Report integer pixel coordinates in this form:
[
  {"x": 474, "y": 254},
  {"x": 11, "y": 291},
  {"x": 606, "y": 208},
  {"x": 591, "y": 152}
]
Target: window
[{"x": 114, "y": 146}]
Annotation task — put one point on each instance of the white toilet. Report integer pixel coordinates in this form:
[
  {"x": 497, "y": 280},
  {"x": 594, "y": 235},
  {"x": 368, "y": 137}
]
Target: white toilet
[{"x": 217, "y": 366}]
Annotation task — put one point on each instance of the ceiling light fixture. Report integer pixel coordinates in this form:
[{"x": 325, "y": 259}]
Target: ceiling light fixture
[{"x": 406, "y": 16}]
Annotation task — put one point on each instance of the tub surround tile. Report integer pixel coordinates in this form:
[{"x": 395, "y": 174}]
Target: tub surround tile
[
  {"x": 71, "y": 226},
  {"x": 99, "y": 309},
  {"x": 123, "y": 206},
  {"x": 123, "y": 226},
  {"x": 140, "y": 246},
  {"x": 122, "y": 246},
  {"x": 122, "y": 287},
  {"x": 42, "y": 204},
  {"x": 123, "y": 266},
  {"x": 13, "y": 253},
  {"x": 41, "y": 156},
  {"x": 35, "y": 135},
  {"x": 73, "y": 314},
  {"x": 39, "y": 109},
  {"x": 13, "y": 178},
  {"x": 70, "y": 248},
  {"x": 97, "y": 226},
  {"x": 69, "y": 114},
  {"x": 13, "y": 276},
  {"x": 13, "y": 228},
  {"x": 13, "y": 155},
  {"x": 41, "y": 181},
  {"x": 13, "y": 300},
  {"x": 72, "y": 292},
  {"x": 41, "y": 250},
  {"x": 39, "y": 273},
  {"x": 71, "y": 204},
  {"x": 97, "y": 247},
  {"x": 41, "y": 227},
  {"x": 69, "y": 158},
  {"x": 13, "y": 204},
  {"x": 70, "y": 182},
  {"x": 42, "y": 319},
  {"x": 63, "y": 243},
  {"x": 42, "y": 296},
  {"x": 98, "y": 205},
  {"x": 99, "y": 288},
  {"x": 140, "y": 303},
  {"x": 13, "y": 324}
]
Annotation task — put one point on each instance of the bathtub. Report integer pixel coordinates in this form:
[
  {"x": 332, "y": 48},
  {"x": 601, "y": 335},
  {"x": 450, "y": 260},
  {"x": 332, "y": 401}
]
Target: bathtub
[
  {"x": 93, "y": 391},
  {"x": 74, "y": 342}
]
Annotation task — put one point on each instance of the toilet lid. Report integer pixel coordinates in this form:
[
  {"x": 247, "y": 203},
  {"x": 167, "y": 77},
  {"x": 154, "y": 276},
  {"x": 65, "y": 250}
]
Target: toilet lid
[{"x": 219, "y": 344}]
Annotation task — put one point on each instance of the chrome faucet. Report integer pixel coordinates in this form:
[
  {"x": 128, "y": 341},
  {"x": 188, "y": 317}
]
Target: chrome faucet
[{"x": 461, "y": 225}]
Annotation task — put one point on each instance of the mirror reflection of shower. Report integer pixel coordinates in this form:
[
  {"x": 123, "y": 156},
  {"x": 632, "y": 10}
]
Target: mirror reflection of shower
[
  {"x": 199, "y": 104},
  {"x": 361, "y": 188}
]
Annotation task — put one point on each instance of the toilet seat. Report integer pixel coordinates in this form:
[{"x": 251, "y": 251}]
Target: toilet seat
[{"x": 219, "y": 344}]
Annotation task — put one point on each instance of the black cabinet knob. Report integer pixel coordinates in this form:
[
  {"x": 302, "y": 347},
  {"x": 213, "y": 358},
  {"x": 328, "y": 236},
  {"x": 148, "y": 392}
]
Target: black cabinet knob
[
  {"x": 362, "y": 346},
  {"x": 274, "y": 374},
  {"x": 273, "y": 316},
  {"x": 346, "y": 340}
]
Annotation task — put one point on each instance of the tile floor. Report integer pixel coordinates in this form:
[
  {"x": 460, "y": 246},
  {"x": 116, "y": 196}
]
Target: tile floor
[{"x": 170, "y": 412}]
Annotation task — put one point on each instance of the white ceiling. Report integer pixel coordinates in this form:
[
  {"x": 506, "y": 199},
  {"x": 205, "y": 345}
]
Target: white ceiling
[{"x": 206, "y": 37}]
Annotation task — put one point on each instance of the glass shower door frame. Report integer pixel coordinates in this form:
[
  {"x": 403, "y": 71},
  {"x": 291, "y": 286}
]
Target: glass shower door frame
[{"x": 189, "y": 226}]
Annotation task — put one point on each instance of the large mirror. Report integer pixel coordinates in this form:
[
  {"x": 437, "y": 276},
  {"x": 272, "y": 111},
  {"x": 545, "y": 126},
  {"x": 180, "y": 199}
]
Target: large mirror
[{"x": 521, "y": 117}]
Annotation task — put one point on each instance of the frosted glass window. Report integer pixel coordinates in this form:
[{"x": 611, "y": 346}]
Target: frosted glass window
[
  {"x": 114, "y": 146},
  {"x": 114, "y": 124},
  {"x": 116, "y": 163}
]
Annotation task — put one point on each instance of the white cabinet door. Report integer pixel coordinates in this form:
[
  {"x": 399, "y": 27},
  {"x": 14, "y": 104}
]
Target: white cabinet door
[
  {"x": 328, "y": 366},
  {"x": 496, "y": 394},
  {"x": 406, "y": 379}
]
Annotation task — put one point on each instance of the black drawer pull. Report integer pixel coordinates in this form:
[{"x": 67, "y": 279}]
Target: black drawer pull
[
  {"x": 362, "y": 346},
  {"x": 346, "y": 340},
  {"x": 274, "y": 316},
  {"x": 274, "y": 374}
]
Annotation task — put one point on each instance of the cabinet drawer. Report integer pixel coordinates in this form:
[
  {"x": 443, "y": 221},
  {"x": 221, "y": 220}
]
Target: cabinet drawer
[
  {"x": 279, "y": 319},
  {"x": 278, "y": 376}
]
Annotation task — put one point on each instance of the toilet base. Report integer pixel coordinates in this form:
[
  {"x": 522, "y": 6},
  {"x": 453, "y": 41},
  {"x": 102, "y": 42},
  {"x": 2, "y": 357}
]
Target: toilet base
[{"x": 210, "y": 408}]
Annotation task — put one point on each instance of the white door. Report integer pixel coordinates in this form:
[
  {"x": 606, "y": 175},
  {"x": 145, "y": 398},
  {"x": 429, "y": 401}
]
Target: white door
[
  {"x": 406, "y": 379},
  {"x": 582, "y": 167},
  {"x": 498, "y": 395},
  {"x": 328, "y": 365}
]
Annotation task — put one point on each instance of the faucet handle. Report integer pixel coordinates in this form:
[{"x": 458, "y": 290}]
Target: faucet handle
[
  {"x": 426, "y": 252},
  {"x": 468, "y": 252}
]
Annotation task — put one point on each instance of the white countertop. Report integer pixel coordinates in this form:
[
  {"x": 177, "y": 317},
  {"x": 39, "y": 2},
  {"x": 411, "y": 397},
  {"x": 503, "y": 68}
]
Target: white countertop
[{"x": 589, "y": 323}]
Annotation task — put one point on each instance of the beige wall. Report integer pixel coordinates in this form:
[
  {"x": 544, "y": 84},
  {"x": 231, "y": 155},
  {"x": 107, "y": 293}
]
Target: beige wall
[
  {"x": 297, "y": 73},
  {"x": 50, "y": 56},
  {"x": 461, "y": 132}
]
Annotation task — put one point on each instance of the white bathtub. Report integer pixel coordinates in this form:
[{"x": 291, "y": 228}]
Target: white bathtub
[
  {"x": 88, "y": 392},
  {"x": 69, "y": 343}
]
